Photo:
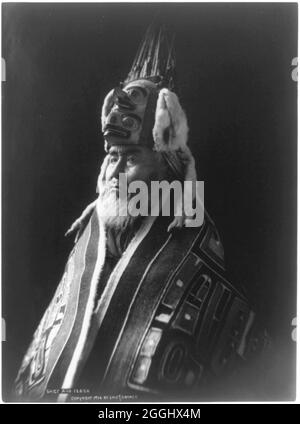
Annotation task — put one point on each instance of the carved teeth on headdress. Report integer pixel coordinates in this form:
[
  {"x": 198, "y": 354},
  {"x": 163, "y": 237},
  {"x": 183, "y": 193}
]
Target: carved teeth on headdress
[{"x": 114, "y": 130}]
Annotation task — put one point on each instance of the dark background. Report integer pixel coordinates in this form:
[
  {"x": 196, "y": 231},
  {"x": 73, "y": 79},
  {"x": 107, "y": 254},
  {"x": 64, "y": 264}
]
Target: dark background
[{"x": 234, "y": 75}]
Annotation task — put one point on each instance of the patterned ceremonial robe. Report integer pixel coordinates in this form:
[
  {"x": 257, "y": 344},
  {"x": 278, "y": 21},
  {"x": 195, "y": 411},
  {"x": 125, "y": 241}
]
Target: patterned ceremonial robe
[{"x": 162, "y": 319}]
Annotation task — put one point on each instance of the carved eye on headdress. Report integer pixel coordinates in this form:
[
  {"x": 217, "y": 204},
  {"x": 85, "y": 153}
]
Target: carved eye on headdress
[
  {"x": 130, "y": 122},
  {"x": 113, "y": 118},
  {"x": 137, "y": 95}
]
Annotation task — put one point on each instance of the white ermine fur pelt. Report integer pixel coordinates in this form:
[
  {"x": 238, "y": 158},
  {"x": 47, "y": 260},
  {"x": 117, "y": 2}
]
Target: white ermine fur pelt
[{"x": 170, "y": 132}]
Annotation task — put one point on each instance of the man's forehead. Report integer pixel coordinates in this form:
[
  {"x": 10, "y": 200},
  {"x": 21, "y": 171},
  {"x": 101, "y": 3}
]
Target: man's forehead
[{"x": 123, "y": 149}]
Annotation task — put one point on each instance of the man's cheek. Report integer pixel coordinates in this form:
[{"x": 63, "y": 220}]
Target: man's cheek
[
  {"x": 142, "y": 172},
  {"x": 108, "y": 173},
  {"x": 132, "y": 174}
]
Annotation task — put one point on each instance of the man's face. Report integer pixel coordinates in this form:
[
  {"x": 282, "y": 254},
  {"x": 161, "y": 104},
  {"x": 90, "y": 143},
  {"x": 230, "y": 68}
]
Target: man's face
[{"x": 136, "y": 162}]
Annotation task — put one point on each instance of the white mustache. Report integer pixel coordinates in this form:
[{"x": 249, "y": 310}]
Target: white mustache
[
  {"x": 114, "y": 186},
  {"x": 109, "y": 187},
  {"x": 106, "y": 188}
]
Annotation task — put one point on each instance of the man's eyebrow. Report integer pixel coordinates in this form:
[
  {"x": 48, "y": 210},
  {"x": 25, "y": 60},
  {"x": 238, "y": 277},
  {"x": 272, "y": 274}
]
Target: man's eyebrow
[{"x": 131, "y": 150}]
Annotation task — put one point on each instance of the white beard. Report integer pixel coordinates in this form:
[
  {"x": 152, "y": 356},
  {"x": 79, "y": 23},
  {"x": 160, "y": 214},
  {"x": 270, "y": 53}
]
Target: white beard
[{"x": 112, "y": 210}]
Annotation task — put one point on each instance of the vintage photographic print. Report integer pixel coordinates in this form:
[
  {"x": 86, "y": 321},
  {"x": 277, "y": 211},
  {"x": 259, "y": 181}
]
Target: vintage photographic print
[{"x": 149, "y": 164}]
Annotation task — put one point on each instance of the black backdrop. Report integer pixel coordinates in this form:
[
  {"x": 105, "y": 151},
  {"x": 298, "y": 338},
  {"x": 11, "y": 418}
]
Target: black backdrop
[{"x": 234, "y": 72}]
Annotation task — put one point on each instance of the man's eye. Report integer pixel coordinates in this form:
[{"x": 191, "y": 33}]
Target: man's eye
[
  {"x": 131, "y": 159},
  {"x": 113, "y": 159}
]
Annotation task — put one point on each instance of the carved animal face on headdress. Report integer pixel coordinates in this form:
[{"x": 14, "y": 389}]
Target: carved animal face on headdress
[
  {"x": 128, "y": 114},
  {"x": 143, "y": 114}
]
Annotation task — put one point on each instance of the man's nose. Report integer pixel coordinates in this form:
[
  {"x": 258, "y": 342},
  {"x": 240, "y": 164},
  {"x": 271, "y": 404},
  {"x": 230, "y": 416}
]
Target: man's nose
[{"x": 119, "y": 167}]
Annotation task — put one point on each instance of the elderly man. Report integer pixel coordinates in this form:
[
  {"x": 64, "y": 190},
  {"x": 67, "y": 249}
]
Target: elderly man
[{"x": 144, "y": 307}]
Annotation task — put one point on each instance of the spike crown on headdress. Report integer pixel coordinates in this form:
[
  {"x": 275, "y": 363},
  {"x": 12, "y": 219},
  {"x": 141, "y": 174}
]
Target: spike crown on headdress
[
  {"x": 129, "y": 110},
  {"x": 144, "y": 110},
  {"x": 155, "y": 60}
]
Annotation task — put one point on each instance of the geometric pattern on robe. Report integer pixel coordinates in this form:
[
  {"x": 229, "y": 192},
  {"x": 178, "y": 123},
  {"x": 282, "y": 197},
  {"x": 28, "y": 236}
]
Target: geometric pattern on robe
[{"x": 167, "y": 320}]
